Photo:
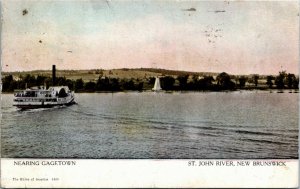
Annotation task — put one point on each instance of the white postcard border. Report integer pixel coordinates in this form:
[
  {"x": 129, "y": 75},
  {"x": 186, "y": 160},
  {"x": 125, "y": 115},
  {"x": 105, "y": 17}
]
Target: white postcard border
[{"x": 136, "y": 173}]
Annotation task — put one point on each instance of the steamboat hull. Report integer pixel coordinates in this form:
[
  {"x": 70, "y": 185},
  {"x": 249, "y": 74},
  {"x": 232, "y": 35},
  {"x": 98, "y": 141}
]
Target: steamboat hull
[
  {"x": 32, "y": 99},
  {"x": 36, "y": 106}
]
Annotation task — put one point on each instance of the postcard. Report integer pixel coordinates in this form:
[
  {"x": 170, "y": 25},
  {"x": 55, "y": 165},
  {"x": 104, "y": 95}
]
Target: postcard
[{"x": 156, "y": 94}]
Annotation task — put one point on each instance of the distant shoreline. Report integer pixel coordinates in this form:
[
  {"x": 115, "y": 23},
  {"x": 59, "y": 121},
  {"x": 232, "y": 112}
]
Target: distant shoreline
[
  {"x": 144, "y": 79},
  {"x": 124, "y": 72},
  {"x": 182, "y": 91}
]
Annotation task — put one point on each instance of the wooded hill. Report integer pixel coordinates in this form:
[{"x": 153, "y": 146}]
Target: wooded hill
[
  {"x": 93, "y": 75},
  {"x": 143, "y": 79}
]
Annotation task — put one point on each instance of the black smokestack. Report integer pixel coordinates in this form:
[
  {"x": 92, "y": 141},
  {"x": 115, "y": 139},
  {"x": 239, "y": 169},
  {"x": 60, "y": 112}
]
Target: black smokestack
[{"x": 53, "y": 75}]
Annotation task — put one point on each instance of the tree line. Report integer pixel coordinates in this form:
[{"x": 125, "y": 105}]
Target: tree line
[{"x": 223, "y": 81}]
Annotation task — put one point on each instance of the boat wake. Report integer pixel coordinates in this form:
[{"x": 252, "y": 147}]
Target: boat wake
[{"x": 33, "y": 110}]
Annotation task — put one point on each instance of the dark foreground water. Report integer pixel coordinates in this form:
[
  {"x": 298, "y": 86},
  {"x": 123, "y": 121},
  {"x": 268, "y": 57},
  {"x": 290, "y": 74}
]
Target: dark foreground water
[{"x": 246, "y": 124}]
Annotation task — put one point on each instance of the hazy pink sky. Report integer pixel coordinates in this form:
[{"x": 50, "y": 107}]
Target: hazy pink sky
[{"x": 238, "y": 37}]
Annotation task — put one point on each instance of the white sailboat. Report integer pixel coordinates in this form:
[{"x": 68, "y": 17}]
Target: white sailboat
[{"x": 156, "y": 85}]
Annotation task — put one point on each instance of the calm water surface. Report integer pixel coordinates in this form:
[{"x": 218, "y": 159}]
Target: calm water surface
[{"x": 246, "y": 124}]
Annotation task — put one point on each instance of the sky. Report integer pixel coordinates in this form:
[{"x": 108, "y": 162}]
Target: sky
[{"x": 237, "y": 37}]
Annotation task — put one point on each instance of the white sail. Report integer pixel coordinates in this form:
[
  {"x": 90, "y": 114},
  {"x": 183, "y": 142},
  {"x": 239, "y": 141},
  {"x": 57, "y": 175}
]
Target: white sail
[{"x": 156, "y": 85}]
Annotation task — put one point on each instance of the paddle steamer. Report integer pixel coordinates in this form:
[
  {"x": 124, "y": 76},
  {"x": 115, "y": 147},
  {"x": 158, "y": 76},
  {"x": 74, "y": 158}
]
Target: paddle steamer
[{"x": 40, "y": 97}]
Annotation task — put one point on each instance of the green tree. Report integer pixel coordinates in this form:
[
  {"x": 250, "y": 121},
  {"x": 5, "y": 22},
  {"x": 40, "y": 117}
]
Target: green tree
[
  {"x": 296, "y": 83},
  {"x": 279, "y": 80},
  {"x": 102, "y": 84},
  {"x": 90, "y": 86},
  {"x": 290, "y": 80},
  {"x": 129, "y": 85},
  {"x": 48, "y": 81},
  {"x": 224, "y": 81},
  {"x": 7, "y": 83},
  {"x": 29, "y": 80},
  {"x": 194, "y": 84},
  {"x": 183, "y": 81},
  {"x": 195, "y": 78},
  {"x": 205, "y": 83},
  {"x": 167, "y": 82},
  {"x": 114, "y": 84},
  {"x": 40, "y": 80},
  {"x": 242, "y": 81},
  {"x": 61, "y": 81},
  {"x": 70, "y": 83},
  {"x": 269, "y": 81},
  {"x": 255, "y": 79},
  {"x": 79, "y": 84},
  {"x": 151, "y": 81}
]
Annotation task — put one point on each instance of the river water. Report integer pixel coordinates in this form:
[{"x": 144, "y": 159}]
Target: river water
[{"x": 231, "y": 125}]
